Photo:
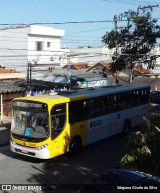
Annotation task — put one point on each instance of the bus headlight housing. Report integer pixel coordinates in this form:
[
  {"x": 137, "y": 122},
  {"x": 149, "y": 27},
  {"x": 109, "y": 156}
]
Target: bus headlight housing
[
  {"x": 42, "y": 147},
  {"x": 12, "y": 142}
]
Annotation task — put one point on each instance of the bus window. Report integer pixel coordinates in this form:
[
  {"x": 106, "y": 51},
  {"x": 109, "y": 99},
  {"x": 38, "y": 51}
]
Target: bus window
[
  {"x": 30, "y": 124},
  {"x": 131, "y": 99},
  {"x": 122, "y": 101},
  {"x": 77, "y": 111},
  {"x": 58, "y": 119},
  {"x": 139, "y": 97},
  {"x": 102, "y": 106},
  {"x": 97, "y": 107},
  {"x": 91, "y": 108},
  {"x": 109, "y": 103},
  {"x": 115, "y": 103},
  {"x": 146, "y": 95}
]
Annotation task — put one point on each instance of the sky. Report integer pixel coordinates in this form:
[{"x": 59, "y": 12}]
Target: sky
[{"x": 92, "y": 18}]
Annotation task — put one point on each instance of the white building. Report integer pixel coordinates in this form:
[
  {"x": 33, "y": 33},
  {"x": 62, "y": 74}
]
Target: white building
[
  {"x": 91, "y": 55},
  {"x": 156, "y": 52},
  {"x": 32, "y": 43}
]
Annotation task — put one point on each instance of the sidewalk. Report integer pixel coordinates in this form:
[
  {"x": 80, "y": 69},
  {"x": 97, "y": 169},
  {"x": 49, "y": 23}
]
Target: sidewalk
[
  {"x": 7, "y": 122},
  {"x": 5, "y": 131}
]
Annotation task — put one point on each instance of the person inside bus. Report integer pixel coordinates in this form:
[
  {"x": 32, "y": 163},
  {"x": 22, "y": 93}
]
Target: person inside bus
[
  {"x": 54, "y": 123},
  {"x": 117, "y": 81},
  {"x": 23, "y": 122},
  {"x": 55, "y": 126},
  {"x": 37, "y": 125},
  {"x": 33, "y": 121}
]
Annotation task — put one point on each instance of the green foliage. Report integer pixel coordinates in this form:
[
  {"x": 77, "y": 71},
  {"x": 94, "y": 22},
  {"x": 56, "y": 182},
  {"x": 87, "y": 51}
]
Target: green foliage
[
  {"x": 155, "y": 119},
  {"x": 128, "y": 161},
  {"x": 118, "y": 65},
  {"x": 111, "y": 38},
  {"x": 135, "y": 41},
  {"x": 145, "y": 148}
]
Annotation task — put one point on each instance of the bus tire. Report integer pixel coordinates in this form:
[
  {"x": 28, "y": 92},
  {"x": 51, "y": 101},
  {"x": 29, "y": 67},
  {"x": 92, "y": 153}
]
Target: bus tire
[
  {"x": 126, "y": 126},
  {"x": 75, "y": 145}
]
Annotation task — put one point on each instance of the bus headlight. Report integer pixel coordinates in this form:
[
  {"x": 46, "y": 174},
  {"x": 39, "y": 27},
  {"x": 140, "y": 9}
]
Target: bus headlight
[
  {"x": 42, "y": 147},
  {"x": 12, "y": 142}
]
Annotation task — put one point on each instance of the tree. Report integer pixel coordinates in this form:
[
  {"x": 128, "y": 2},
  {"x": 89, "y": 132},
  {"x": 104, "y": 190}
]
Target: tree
[
  {"x": 144, "y": 148},
  {"x": 134, "y": 42}
]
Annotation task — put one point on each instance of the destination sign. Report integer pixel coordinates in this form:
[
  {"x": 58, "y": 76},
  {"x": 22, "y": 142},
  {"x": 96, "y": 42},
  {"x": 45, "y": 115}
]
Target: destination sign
[{"x": 29, "y": 104}]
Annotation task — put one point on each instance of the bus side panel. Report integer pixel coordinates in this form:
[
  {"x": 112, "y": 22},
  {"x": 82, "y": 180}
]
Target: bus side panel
[
  {"x": 111, "y": 124},
  {"x": 104, "y": 126},
  {"x": 79, "y": 129},
  {"x": 60, "y": 144},
  {"x": 136, "y": 114},
  {"x": 99, "y": 128}
]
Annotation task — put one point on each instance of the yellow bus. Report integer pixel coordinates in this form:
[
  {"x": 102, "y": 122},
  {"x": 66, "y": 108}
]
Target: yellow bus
[{"x": 49, "y": 125}]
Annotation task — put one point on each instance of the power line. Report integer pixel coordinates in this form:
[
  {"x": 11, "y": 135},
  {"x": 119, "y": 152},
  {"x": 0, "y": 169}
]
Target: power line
[
  {"x": 127, "y": 2},
  {"x": 84, "y": 31},
  {"x": 54, "y": 23}
]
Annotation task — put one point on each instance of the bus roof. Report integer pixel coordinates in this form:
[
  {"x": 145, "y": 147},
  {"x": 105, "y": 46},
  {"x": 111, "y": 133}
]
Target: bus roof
[{"x": 66, "y": 96}]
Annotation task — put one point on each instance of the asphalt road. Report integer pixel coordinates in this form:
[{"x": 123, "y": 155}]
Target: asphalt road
[
  {"x": 61, "y": 174},
  {"x": 65, "y": 174}
]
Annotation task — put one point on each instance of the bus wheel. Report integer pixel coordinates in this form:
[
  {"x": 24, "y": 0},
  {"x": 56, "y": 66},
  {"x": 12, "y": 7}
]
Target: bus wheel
[
  {"x": 126, "y": 127},
  {"x": 75, "y": 145}
]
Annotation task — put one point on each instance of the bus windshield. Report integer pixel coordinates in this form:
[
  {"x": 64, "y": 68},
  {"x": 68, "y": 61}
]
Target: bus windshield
[{"x": 30, "y": 124}]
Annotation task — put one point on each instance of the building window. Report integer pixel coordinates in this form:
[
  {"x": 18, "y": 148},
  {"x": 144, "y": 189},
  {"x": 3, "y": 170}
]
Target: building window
[
  {"x": 48, "y": 44},
  {"x": 39, "y": 46}
]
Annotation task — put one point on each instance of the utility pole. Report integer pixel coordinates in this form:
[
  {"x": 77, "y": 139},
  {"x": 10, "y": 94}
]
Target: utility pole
[
  {"x": 29, "y": 73},
  {"x": 116, "y": 30},
  {"x": 115, "y": 20},
  {"x": 69, "y": 72},
  {"x": 144, "y": 8},
  {"x": 131, "y": 64},
  {"x": 1, "y": 110}
]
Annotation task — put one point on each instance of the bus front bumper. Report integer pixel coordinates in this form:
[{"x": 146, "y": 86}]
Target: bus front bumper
[{"x": 31, "y": 152}]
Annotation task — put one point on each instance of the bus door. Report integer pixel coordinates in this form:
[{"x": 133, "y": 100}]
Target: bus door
[
  {"x": 58, "y": 134},
  {"x": 78, "y": 120}
]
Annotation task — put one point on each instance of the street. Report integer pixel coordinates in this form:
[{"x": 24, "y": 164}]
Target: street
[
  {"x": 64, "y": 172},
  {"x": 52, "y": 62}
]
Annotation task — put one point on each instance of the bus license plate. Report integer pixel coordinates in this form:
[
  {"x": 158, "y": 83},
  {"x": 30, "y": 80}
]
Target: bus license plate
[{"x": 24, "y": 151}]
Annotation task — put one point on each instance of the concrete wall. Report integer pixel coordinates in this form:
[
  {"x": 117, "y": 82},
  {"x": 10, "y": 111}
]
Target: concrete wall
[
  {"x": 13, "y": 46},
  {"x": 91, "y": 55},
  {"x": 12, "y": 76},
  {"x": 7, "y": 102},
  {"x": 17, "y": 45}
]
